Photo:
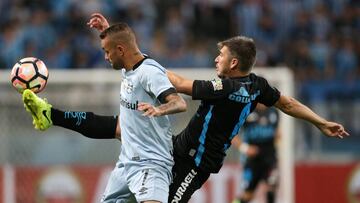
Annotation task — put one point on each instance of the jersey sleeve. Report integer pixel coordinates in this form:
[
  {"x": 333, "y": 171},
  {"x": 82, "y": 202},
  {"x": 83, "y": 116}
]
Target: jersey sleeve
[
  {"x": 156, "y": 82},
  {"x": 269, "y": 95},
  {"x": 211, "y": 89}
]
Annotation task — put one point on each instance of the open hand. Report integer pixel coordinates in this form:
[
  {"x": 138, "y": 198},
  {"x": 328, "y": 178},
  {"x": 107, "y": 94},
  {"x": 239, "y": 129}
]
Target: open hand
[
  {"x": 98, "y": 21},
  {"x": 333, "y": 129},
  {"x": 149, "y": 110}
]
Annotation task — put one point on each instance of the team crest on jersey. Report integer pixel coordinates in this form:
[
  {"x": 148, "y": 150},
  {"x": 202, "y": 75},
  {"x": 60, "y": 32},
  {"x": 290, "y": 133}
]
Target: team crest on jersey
[
  {"x": 127, "y": 86},
  {"x": 217, "y": 84}
]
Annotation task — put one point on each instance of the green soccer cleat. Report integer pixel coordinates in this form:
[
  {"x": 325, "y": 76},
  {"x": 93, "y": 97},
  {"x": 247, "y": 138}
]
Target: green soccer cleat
[{"x": 39, "y": 108}]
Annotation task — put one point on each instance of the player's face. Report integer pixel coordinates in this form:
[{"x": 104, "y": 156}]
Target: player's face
[
  {"x": 112, "y": 53},
  {"x": 223, "y": 62}
]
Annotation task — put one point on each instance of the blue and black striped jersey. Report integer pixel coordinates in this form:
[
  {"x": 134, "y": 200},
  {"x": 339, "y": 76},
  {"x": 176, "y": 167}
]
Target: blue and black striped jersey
[
  {"x": 260, "y": 129},
  {"x": 225, "y": 105}
]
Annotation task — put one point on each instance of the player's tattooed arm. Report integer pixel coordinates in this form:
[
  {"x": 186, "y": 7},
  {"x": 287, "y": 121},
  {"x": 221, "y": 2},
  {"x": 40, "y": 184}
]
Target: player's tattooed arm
[
  {"x": 174, "y": 104},
  {"x": 296, "y": 109}
]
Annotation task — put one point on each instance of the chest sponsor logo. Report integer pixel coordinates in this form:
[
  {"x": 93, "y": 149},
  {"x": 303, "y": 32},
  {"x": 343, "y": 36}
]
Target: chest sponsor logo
[
  {"x": 243, "y": 96},
  {"x": 129, "y": 105}
]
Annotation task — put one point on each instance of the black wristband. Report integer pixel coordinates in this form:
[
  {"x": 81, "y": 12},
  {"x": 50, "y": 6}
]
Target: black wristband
[{"x": 87, "y": 123}]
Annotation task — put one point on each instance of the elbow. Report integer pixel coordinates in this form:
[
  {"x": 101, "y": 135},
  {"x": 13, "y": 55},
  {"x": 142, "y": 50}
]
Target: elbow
[
  {"x": 287, "y": 105},
  {"x": 174, "y": 104},
  {"x": 182, "y": 106},
  {"x": 118, "y": 130}
]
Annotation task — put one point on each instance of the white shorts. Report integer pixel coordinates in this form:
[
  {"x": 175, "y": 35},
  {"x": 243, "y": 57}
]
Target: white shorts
[
  {"x": 145, "y": 179},
  {"x": 117, "y": 190}
]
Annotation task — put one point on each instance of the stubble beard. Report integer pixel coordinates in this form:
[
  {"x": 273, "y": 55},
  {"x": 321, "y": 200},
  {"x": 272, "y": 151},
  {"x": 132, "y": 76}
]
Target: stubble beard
[{"x": 117, "y": 66}]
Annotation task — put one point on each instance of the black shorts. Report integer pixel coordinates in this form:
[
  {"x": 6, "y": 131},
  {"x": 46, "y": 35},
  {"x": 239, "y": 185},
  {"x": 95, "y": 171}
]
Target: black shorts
[
  {"x": 187, "y": 179},
  {"x": 259, "y": 169}
]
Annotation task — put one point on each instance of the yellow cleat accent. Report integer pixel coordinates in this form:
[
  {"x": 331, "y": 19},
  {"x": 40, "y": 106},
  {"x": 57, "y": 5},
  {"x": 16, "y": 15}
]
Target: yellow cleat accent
[{"x": 39, "y": 109}]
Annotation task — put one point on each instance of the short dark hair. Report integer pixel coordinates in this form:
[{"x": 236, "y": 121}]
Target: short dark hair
[
  {"x": 243, "y": 48},
  {"x": 119, "y": 28}
]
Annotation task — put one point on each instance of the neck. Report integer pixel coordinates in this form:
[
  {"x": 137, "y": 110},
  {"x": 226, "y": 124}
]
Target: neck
[
  {"x": 133, "y": 59},
  {"x": 237, "y": 74}
]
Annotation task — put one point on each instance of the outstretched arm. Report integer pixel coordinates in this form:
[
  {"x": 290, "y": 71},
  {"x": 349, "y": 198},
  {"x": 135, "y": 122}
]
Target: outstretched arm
[
  {"x": 181, "y": 84},
  {"x": 296, "y": 109},
  {"x": 174, "y": 104}
]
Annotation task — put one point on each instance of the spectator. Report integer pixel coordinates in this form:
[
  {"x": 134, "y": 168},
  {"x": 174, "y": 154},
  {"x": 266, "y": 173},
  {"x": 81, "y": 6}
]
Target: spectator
[{"x": 314, "y": 38}]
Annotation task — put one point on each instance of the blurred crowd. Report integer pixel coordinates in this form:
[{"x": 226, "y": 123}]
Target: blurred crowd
[{"x": 318, "y": 39}]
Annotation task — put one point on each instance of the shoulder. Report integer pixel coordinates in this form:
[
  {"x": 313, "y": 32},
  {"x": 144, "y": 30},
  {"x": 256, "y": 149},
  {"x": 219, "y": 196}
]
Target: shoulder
[
  {"x": 216, "y": 84},
  {"x": 256, "y": 78},
  {"x": 150, "y": 63},
  {"x": 259, "y": 81}
]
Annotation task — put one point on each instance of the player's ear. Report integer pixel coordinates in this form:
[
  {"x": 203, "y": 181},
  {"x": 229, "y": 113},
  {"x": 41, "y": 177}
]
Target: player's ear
[
  {"x": 121, "y": 49},
  {"x": 234, "y": 63}
]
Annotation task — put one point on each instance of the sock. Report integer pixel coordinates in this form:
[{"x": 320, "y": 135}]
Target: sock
[{"x": 87, "y": 123}]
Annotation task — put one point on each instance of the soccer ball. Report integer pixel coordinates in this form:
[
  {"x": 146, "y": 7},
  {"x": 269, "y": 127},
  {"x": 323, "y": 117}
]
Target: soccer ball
[{"x": 29, "y": 73}]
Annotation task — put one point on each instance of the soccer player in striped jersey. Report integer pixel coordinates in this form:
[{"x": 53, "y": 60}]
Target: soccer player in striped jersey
[
  {"x": 226, "y": 102},
  {"x": 146, "y": 98}
]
